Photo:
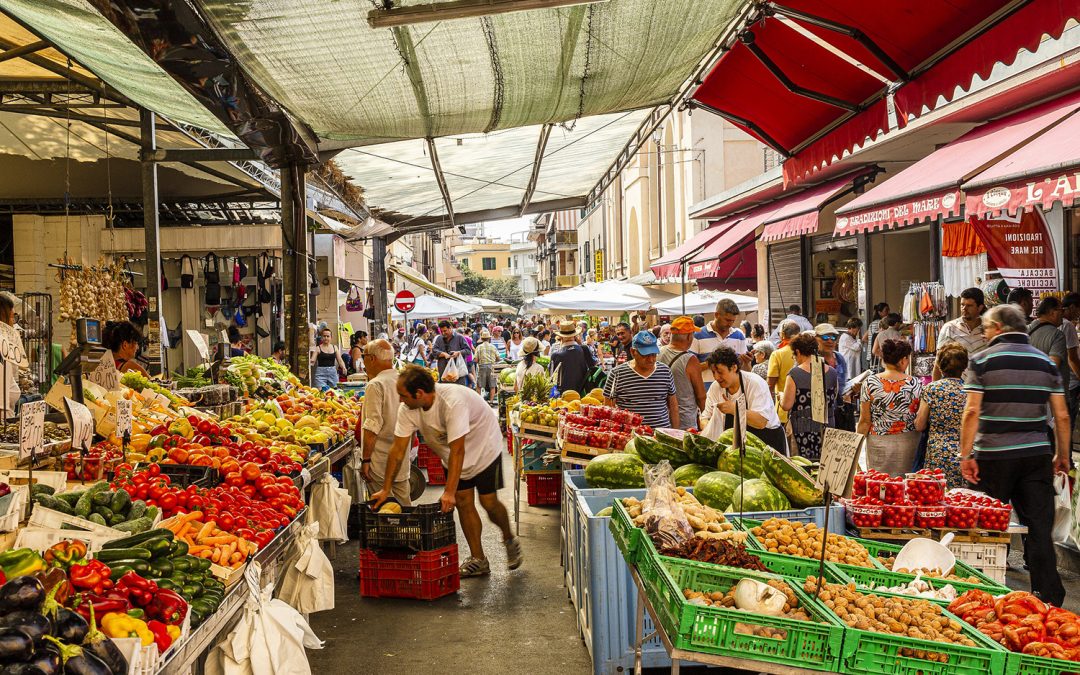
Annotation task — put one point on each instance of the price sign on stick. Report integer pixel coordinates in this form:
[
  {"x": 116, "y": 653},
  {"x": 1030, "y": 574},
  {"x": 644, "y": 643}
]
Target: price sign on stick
[
  {"x": 82, "y": 424},
  {"x": 106, "y": 373},
  {"x": 201, "y": 344},
  {"x": 31, "y": 429},
  {"x": 839, "y": 458},
  {"x": 123, "y": 418}
]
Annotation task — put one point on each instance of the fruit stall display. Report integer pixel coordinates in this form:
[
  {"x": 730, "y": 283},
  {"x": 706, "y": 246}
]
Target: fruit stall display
[{"x": 920, "y": 501}]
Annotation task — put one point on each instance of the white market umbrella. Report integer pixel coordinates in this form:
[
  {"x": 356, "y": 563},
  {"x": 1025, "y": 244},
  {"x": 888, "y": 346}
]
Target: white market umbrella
[
  {"x": 492, "y": 306},
  {"x": 603, "y": 297},
  {"x": 434, "y": 307},
  {"x": 704, "y": 302}
]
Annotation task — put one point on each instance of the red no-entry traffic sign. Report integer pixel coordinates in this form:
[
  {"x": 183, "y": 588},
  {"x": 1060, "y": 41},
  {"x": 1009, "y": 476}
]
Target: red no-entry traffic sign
[{"x": 404, "y": 301}]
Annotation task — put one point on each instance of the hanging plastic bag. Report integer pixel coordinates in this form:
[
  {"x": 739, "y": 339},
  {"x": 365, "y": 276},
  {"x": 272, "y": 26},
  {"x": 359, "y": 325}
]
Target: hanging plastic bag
[
  {"x": 308, "y": 582},
  {"x": 665, "y": 521},
  {"x": 269, "y": 639},
  {"x": 329, "y": 508},
  {"x": 1063, "y": 517},
  {"x": 455, "y": 369}
]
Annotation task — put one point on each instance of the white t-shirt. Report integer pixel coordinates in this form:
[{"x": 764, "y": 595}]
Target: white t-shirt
[
  {"x": 381, "y": 405},
  {"x": 457, "y": 412},
  {"x": 513, "y": 350},
  {"x": 756, "y": 394},
  {"x": 851, "y": 349}
]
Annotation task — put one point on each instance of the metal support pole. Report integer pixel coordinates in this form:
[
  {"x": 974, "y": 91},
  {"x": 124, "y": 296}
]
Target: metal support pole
[
  {"x": 294, "y": 231},
  {"x": 935, "y": 249},
  {"x": 378, "y": 254},
  {"x": 152, "y": 234},
  {"x": 682, "y": 277}
]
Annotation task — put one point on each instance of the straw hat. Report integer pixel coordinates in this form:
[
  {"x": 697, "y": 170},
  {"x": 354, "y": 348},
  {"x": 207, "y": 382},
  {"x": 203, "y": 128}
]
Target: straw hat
[{"x": 569, "y": 329}]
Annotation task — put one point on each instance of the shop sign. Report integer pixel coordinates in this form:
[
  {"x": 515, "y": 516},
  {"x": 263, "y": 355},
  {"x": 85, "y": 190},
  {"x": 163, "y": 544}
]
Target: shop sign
[
  {"x": 702, "y": 270},
  {"x": 598, "y": 265},
  {"x": 1021, "y": 249},
  {"x": 1027, "y": 195},
  {"x": 31, "y": 429},
  {"x": 901, "y": 213}
]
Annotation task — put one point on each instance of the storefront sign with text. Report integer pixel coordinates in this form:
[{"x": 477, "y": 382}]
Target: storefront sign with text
[{"x": 1021, "y": 249}]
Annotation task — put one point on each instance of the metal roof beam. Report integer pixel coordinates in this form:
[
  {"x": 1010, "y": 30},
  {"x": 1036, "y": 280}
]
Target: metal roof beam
[
  {"x": 441, "y": 180},
  {"x": 68, "y": 73},
  {"x": 190, "y": 155},
  {"x": 19, "y": 52},
  {"x": 541, "y": 145}
]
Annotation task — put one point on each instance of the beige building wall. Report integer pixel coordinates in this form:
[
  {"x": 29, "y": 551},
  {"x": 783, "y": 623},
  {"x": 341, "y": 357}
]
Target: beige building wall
[{"x": 473, "y": 256}]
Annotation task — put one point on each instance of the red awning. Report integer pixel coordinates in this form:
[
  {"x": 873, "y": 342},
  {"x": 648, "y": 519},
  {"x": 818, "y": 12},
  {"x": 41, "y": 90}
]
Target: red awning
[
  {"x": 670, "y": 265},
  {"x": 931, "y": 187},
  {"x": 805, "y": 99},
  {"x": 798, "y": 214},
  {"x": 1043, "y": 171},
  {"x": 707, "y": 263}
]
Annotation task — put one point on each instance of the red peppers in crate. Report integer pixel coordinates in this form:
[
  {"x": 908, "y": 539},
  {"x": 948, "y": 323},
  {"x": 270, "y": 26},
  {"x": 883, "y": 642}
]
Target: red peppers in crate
[
  {"x": 901, "y": 514},
  {"x": 865, "y": 512},
  {"x": 923, "y": 489},
  {"x": 961, "y": 517},
  {"x": 994, "y": 518},
  {"x": 888, "y": 489},
  {"x": 930, "y": 515}
]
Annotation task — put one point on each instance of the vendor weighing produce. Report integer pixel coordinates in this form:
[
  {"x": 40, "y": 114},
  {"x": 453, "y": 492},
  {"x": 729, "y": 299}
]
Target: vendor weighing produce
[{"x": 463, "y": 430}]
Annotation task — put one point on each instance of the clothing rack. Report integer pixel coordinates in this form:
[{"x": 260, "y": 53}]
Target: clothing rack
[
  {"x": 925, "y": 301},
  {"x": 924, "y": 335}
]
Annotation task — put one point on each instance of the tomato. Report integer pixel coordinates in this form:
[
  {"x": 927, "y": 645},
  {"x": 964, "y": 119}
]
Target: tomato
[
  {"x": 156, "y": 491},
  {"x": 263, "y": 480},
  {"x": 196, "y": 502},
  {"x": 248, "y": 489},
  {"x": 263, "y": 453},
  {"x": 226, "y": 522},
  {"x": 269, "y": 491},
  {"x": 286, "y": 481},
  {"x": 247, "y": 445},
  {"x": 182, "y": 498},
  {"x": 167, "y": 502},
  {"x": 272, "y": 467},
  {"x": 250, "y": 471},
  {"x": 245, "y": 533},
  {"x": 122, "y": 469}
]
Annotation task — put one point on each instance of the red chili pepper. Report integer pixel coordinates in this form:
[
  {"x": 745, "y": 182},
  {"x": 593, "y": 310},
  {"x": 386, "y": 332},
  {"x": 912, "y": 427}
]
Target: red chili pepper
[{"x": 93, "y": 576}]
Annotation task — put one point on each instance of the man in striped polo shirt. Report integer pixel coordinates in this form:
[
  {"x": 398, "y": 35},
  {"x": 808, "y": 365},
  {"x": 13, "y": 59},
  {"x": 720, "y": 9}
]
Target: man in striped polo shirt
[
  {"x": 1005, "y": 447},
  {"x": 721, "y": 332}
]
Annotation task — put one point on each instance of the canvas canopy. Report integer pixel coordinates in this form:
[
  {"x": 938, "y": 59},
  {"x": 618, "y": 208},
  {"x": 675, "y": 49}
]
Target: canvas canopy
[
  {"x": 434, "y": 307},
  {"x": 704, "y": 302},
  {"x": 601, "y": 298}
]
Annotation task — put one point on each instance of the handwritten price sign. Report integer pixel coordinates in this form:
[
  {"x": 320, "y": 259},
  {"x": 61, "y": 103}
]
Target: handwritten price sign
[
  {"x": 31, "y": 429},
  {"x": 123, "y": 418},
  {"x": 82, "y": 424}
]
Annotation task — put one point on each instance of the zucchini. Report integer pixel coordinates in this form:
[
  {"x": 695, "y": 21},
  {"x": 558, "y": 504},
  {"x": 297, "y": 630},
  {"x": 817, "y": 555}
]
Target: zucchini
[
  {"x": 178, "y": 577},
  {"x": 167, "y": 584},
  {"x": 204, "y": 564},
  {"x": 121, "y": 501},
  {"x": 190, "y": 592},
  {"x": 202, "y": 607},
  {"x": 121, "y": 567},
  {"x": 96, "y": 518},
  {"x": 108, "y": 555},
  {"x": 178, "y": 549},
  {"x": 137, "y": 525},
  {"x": 42, "y": 489},
  {"x": 138, "y": 509},
  {"x": 70, "y": 526},
  {"x": 159, "y": 548},
  {"x": 162, "y": 567},
  {"x": 181, "y": 564},
  {"x": 128, "y": 542}
]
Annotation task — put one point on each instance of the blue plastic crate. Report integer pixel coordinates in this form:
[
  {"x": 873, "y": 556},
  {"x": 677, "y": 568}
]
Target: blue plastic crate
[
  {"x": 608, "y": 597},
  {"x": 570, "y": 539}
]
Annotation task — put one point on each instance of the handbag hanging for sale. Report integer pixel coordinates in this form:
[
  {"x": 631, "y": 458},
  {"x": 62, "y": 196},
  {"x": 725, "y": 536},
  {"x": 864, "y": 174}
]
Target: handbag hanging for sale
[
  {"x": 161, "y": 272},
  {"x": 212, "y": 274},
  {"x": 353, "y": 303},
  {"x": 316, "y": 288},
  {"x": 266, "y": 272},
  {"x": 187, "y": 272}
]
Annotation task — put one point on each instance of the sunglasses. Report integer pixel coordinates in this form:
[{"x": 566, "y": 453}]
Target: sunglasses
[{"x": 828, "y": 338}]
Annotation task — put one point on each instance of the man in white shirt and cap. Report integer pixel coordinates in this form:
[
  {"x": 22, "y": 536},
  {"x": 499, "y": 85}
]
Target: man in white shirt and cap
[{"x": 376, "y": 434}]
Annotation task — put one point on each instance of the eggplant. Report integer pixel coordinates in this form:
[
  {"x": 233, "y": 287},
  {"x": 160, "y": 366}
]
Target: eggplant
[
  {"x": 15, "y": 645},
  {"x": 25, "y": 592},
  {"x": 69, "y": 626},
  {"x": 78, "y": 661},
  {"x": 99, "y": 644},
  {"x": 36, "y": 625},
  {"x": 45, "y": 661}
]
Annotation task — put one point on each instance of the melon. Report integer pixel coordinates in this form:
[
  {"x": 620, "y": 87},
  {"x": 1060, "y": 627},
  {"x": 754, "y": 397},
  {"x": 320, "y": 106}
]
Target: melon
[
  {"x": 701, "y": 450},
  {"x": 616, "y": 471},
  {"x": 688, "y": 474},
  {"x": 758, "y": 495},
  {"x": 716, "y": 488},
  {"x": 792, "y": 480},
  {"x": 652, "y": 450},
  {"x": 750, "y": 466}
]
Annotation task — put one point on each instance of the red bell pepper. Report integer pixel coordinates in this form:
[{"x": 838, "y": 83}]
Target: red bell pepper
[
  {"x": 101, "y": 605},
  {"x": 141, "y": 591},
  {"x": 167, "y": 607},
  {"x": 161, "y": 635},
  {"x": 93, "y": 577}
]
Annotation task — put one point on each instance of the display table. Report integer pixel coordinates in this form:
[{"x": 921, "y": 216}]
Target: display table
[
  {"x": 518, "y": 437},
  {"x": 679, "y": 655}
]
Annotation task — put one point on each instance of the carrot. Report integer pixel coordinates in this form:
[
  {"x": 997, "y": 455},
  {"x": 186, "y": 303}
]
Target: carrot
[
  {"x": 230, "y": 549},
  {"x": 216, "y": 556},
  {"x": 205, "y": 531},
  {"x": 182, "y": 530},
  {"x": 197, "y": 549},
  {"x": 216, "y": 541},
  {"x": 235, "y": 558},
  {"x": 193, "y": 515},
  {"x": 206, "y": 553}
]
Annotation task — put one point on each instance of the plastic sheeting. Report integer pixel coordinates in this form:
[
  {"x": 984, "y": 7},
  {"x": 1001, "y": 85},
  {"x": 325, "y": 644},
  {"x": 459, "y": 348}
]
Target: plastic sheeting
[{"x": 434, "y": 307}]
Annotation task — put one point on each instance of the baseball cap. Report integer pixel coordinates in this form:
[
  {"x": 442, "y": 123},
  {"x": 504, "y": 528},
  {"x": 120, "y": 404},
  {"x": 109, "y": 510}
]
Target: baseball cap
[
  {"x": 683, "y": 325},
  {"x": 825, "y": 329},
  {"x": 645, "y": 343}
]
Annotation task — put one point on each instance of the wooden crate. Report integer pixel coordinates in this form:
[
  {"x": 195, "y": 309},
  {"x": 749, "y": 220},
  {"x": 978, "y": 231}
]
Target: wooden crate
[
  {"x": 580, "y": 452},
  {"x": 538, "y": 431}
]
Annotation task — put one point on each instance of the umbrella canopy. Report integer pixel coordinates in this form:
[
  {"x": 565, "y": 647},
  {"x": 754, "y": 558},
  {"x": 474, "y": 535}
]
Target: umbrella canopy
[
  {"x": 434, "y": 307},
  {"x": 604, "y": 297},
  {"x": 704, "y": 302},
  {"x": 492, "y": 306}
]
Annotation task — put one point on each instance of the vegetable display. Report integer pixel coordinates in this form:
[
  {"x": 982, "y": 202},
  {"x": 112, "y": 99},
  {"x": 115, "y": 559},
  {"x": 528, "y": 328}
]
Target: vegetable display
[
  {"x": 715, "y": 551},
  {"x": 1022, "y": 623},
  {"x": 772, "y": 598},
  {"x": 804, "y": 540},
  {"x": 103, "y": 506},
  {"x": 920, "y": 500}
]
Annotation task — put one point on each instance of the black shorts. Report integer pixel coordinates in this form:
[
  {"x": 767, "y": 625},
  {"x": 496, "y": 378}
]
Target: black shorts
[{"x": 487, "y": 481}]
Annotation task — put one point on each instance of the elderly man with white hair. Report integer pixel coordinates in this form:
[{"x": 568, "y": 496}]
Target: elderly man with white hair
[{"x": 376, "y": 435}]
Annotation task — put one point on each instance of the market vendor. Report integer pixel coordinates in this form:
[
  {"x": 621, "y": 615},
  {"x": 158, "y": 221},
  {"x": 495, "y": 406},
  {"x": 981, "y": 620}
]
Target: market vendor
[
  {"x": 463, "y": 430},
  {"x": 123, "y": 338},
  {"x": 644, "y": 386},
  {"x": 380, "y": 411},
  {"x": 11, "y": 370},
  {"x": 749, "y": 391}
]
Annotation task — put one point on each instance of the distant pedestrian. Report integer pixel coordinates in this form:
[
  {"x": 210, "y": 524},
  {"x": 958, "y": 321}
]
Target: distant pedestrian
[
  {"x": 1022, "y": 298},
  {"x": 530, "y": 350},
  {"x": 721, "y": 332},
  {"x": 941, "y": 412},
  {"x": 966, "y": 329},
  {"x": 881, "y": 310},
  {"x": 850, "y": 346},
  {"x": 486, "y": 358},
  {"x": 794, "y": 314},
  {"x": 800, "y": 391},
  {"x": 761, "y": 352},
  {"x": 890, "y": 330}
]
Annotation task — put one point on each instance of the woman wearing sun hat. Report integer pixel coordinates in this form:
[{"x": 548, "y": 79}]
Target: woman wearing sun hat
[
  {"x": 571, "y": 363},
  {"x": 530, "y": 349}
]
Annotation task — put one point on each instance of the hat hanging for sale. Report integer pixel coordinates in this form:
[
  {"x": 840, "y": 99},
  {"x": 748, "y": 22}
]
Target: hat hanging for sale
[{"x": 645, "y": 343}]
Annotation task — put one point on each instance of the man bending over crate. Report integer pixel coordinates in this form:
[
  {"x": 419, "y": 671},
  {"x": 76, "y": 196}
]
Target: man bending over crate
[
  {"x": 463, "y": 430},
  {"x": 376, "y": 431}
]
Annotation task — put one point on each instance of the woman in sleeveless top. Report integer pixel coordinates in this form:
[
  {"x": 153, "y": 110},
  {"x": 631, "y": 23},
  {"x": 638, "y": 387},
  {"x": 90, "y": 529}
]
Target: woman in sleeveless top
[
  {"x": 328, "y": 362},
  {"x": 798, "y": 398}
]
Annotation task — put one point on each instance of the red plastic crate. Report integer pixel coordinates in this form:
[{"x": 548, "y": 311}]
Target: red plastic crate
[
  {"x": 509, "y": 442},
  {"x": 424, "y": 454},
  {"x": 436, "y": 473},
  {"x": 544, "y": 489},
  {"x": 425, "y": 575}
]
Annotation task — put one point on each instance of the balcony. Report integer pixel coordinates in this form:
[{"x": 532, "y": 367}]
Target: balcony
[
  {"x": 566, "y": 280},
  {"x": 562, "y": 241},
  {"x": 520, "y": 271}
]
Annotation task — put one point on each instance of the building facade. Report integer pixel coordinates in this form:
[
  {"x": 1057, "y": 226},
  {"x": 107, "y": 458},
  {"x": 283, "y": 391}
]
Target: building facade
[
  {"x": 556, "y": 238},
  {"x": 523, "y": 264}
]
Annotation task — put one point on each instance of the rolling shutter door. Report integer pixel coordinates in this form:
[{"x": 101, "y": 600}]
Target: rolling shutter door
[{"x": 785, "y": 279}]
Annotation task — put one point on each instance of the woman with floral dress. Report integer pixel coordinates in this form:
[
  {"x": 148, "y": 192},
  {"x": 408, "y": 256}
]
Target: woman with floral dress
[
  {"x": 889, "y": 402},
  {"x": 941, "y": 411}
]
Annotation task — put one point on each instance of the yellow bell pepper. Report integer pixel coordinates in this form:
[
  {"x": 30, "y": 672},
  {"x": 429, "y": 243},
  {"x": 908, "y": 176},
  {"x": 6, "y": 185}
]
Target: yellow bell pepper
[
  {"x": 155, "y": 455},
  {"x": 117, "y": 625},
  {"x": 173, "y": 631}
]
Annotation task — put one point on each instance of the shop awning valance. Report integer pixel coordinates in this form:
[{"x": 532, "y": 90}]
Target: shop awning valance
[
  {"x": 1042, "y": 172},
  {"x": 707, "y": 263},
  {"x": 798, "y": 214},
  {"x": 931, "y": 187},
  {"x": 791, "y": 78},
  {"x": 414, "y": 277},
  {"x": 670, "y": 265}
]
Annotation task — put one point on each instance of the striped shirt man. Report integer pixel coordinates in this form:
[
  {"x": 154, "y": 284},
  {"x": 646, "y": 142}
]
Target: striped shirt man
[
  {"x": 646, "y": 396},
  {"x": 708, "y": 339},
  {"x": 1016, "y": 381}
]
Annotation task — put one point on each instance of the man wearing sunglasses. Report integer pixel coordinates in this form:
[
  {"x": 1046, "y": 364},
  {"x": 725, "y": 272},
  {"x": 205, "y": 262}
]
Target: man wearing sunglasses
[{"x": 827, "y": 340}]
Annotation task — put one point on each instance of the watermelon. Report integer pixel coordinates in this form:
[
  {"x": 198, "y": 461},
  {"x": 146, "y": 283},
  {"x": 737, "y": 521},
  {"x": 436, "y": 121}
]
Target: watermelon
[
  {"x": 715, "y": 489},
  {"x": 701, "y": 450},
  {"x": 753, "y": 464},
  {"x": 618, "y": 471},
  {"x": 630, "y": 448},
  {"x": 757, "y": 495},
  {"x": 792, "y": 480},
  {"x": 604, "y": 512},
  {"x": 669, "y": 436},
  {"x": 652, "y": 451},
  {"x": 752, "y": 441},
  {"x": 802, "y": 461},
  {"x": 687, "y": 474}
]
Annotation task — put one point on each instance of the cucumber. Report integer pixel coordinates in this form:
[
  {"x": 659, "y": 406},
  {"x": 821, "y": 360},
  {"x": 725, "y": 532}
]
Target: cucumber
[
  {"x": 161, "y": 568},
  {"x": 108, "y": 555},
  {"x": 96, "y": 518},
  {"x": 121, "y": 501},
  {"x": 116, "y": 519},
  {"x": 70, "y": 498},
  {"x": 158, "y": 548},
  {"x": 128, "y": 542},
  {"x": 138, "y": 509},
  {"x": 50, "y": 502},
  {"x": 103, "y": 498},
  {"x": 122, "y": 567},
  {"x": 42, "y": 489},
  {"x": 82, "y": 507},
  {"x": 105, "y": 512},
  {"x": 167, "y": 584},
  {"x": 178, "y": 549},
  {"x": 137, "y": 525}
]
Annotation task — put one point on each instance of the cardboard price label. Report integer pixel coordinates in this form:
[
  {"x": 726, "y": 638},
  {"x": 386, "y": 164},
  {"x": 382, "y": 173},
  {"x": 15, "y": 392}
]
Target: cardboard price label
[
  {"x": 106, "y": 375},
  {"x": 123, "y": 418},
  {"x": 201, "y": 344},
  {"x": 81, "y": 421},
  {"x": 31, "y": 428},
  {"x": 839, "y": 459}
]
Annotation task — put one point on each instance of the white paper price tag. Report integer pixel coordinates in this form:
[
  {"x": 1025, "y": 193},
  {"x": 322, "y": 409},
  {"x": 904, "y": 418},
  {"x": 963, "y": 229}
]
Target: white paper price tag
[
  {"x": 839, "y": 457},
  {"x": 201, "y": 344},
  {"x": 81, "y": 421},
  {"x": 31, "y": 428},
  {"x": 106, "y": 375},
  {"x": 123, "y": 418}
]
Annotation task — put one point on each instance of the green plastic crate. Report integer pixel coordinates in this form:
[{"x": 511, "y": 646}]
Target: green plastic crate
[
  {"x": 1025, "y": 664},
  {"x": 626, "y": 535},
  {"x": 748, "y": 524},
  {"x": 862, "y": 576},
  {"x": 872, "y": 653},
  {"x": 962, "y": 569},
  {"x": 808, "y": 644}
]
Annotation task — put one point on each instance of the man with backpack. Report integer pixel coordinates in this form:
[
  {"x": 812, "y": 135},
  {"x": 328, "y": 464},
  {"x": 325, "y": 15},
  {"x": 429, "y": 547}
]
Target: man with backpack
[{"x": 686, "y": 371}]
